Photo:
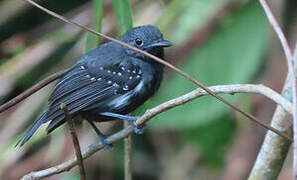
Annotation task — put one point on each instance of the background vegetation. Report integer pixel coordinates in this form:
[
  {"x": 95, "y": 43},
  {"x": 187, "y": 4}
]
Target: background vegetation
[{"x": 215, "y": 41}]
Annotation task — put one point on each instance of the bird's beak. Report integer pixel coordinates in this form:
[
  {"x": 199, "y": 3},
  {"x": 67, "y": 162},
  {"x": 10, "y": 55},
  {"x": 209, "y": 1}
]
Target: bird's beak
[{"x": 163, "y": 43}]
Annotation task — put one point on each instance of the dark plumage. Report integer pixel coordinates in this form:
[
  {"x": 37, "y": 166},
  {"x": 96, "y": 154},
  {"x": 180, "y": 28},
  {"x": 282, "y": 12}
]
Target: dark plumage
[{"x": 108, "y": 82}]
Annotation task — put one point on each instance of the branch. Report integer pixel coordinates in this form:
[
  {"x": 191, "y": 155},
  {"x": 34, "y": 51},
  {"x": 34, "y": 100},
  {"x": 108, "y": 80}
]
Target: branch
[
  {"x": 228, "y": 89},
  {"x": 274, "y": 149},
  {"x": 31, "y": 90},
  {"x": 75, "y": 141},
  {"x": 291, "y": 72},
  {"x": 251, "y": 117},
  {"x": 128, "y": 154},
  {"x": 66, "y": 166}
]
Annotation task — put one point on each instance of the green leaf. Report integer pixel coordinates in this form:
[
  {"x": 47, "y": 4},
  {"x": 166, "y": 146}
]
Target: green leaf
[
  {"x": 73, "y": 175},
  {"x": 232, "y": 55},
  {"x": 123, "y": 13},
  {"x": 92, "y": 39},
  {"x": 184, "y": 17},
  {"x": 213, "y": 138}
]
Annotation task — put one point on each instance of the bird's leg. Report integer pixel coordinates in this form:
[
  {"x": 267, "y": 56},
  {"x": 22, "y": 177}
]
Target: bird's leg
[
  {"x": 102, "y": 137},
  {"x": 132, "y": 119}
]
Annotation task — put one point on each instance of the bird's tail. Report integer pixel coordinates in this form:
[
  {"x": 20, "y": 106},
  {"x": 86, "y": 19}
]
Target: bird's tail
[{"x": 32, "y": 130}]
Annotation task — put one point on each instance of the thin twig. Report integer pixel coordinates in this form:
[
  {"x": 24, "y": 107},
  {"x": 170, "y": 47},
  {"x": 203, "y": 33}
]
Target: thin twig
[
  {"x": 279, "y": 32},
  {"x": 253, "y": 118},
  {"x": 128, "y": 154},
  {"x": 291, "y": 72},
  {"x": 75, "y": 142},
  {"x": 228, "y": 89},
  {"x": 31, "y": 90}
]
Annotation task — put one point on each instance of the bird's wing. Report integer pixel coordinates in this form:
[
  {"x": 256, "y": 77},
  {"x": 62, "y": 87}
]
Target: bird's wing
[{"x": 84, "y": 86}]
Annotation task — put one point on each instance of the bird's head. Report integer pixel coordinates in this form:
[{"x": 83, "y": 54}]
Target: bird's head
[{"x": 147, "y": 38}]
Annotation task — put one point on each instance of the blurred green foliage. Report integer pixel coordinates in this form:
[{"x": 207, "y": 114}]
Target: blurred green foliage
[
  {"x": 232, "y": 55},
  {"x": 32, "y": 17},
  {"x": 184, "y": 17},
  {"x": 212, "y": 138},
  {"x": 93, "y": 40},
  {"x": 124, "y": 15}
]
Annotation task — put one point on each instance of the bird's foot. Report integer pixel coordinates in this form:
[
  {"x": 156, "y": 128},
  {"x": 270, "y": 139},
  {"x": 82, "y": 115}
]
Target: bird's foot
[
  {"x": 136, "y": 129},
  {"x": 102, "y": 137},
  {"x": 131, "y": 119},
  {"x": 105, "y": 146}
]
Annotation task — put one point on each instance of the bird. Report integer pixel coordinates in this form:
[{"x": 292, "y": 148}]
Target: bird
[{"x": 107, "y": 83}]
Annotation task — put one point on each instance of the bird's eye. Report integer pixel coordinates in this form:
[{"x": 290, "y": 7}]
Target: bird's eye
[{"x": 138, "y": 42}]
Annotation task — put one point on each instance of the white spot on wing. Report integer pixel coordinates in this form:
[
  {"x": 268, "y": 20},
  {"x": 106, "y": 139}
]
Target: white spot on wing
[
  {"x": 124, "y": 99},
  {"x": 115, "y": 85},
  {"x": 126, "y": 88}
]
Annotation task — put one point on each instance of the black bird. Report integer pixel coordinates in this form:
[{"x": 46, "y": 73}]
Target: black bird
[{"x": 108, "y": 82}]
